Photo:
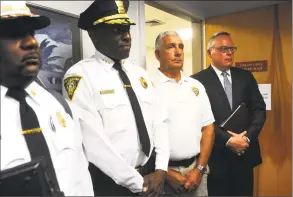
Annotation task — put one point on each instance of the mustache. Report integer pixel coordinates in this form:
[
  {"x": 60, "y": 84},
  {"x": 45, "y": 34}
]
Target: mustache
[
  {"x": 31, "y": 55},
  {"x": 122, "y": 44}
]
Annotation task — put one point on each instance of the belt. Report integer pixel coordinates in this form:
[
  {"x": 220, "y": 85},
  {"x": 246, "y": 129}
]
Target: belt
[
  {"x": 138, "y": 168},
  {"x": 142, "y": 170},
  {"x": 184, "y": 162}
]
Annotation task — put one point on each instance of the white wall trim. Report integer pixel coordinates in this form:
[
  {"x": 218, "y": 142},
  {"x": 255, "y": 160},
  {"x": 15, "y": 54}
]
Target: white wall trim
[{"x": 204, "y": 49}]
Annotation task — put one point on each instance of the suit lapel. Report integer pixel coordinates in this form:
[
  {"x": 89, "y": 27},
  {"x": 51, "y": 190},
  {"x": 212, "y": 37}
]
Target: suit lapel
[
  {"x": 215, "y": 81},
  {"x": 236, "y": 90}
]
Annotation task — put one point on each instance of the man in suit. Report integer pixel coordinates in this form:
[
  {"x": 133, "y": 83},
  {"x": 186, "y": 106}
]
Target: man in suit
[{"x": 234, "y": 155}]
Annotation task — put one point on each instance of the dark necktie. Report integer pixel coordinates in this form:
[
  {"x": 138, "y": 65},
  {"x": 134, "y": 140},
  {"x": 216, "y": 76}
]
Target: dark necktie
[
  {"x": 141, "y": 127},
  {"x": 33, "y": 135}
]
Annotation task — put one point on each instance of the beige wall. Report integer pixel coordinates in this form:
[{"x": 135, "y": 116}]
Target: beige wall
[{"x": 170, "y": 22}]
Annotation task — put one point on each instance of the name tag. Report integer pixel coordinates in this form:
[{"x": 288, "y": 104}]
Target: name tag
[{"x": 107, "y": 92}]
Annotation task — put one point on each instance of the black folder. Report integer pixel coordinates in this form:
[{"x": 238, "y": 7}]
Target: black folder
[
  {"x": 237, "y": 121},
  {"x": 29, "y": 179}
]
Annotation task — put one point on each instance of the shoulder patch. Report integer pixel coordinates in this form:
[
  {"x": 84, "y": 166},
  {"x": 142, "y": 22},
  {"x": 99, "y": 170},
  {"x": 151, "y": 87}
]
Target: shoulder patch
[{"x": 71, "y": 85}]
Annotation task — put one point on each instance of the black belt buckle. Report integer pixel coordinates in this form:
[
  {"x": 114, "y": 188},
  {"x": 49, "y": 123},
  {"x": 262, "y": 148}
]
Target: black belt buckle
[
  {"x": 184, "y": 162},
  {"x": 138, "y": 168},
  {"x": 142, "y": 170}
]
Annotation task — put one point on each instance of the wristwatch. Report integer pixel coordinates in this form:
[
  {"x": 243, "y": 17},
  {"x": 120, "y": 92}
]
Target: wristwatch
[{"x": 202, "y": 169}]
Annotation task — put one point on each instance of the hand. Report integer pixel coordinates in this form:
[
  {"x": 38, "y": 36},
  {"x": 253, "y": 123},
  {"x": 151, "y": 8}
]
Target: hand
[
  {"x": 153, "y": 184},
  {"x": 177, "y": 181},
  {"x": 238, "y": 142},
  {"x": 177, "y": 176},
  {"x": 194, "y": 177},
  {"x": 245, "y": 139}
]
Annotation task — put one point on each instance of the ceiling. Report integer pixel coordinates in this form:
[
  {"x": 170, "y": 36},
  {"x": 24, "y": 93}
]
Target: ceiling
[
  {"x": 185, "y": 11},
  {"x": 196, "y": 9},
  {"x": 205, "y": 8}
]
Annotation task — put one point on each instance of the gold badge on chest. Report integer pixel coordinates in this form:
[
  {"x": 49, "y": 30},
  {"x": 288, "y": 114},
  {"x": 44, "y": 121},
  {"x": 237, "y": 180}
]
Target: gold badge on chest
[
  {"x": 143, "y": 82},
  {"x": 61, "y": 120},
  {"x": 195, "y": 91}
]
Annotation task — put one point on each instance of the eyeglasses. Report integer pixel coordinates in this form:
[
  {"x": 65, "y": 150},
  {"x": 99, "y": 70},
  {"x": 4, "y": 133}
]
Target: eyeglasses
[{"x": 225, "y": 49}]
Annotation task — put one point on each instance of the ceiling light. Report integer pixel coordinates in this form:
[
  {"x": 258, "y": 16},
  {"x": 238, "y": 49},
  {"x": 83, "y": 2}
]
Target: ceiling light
[
  {"x": 154, "y": 22},
  {"x": 185, "y": 33}
]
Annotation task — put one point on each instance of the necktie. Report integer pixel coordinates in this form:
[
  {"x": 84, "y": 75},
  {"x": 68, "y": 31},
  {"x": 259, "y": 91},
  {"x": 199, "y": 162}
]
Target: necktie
[
  {"x": 228, "y": 88},
  {"x": 141, "y": 127},
  {"x": 33, "y": 135}
]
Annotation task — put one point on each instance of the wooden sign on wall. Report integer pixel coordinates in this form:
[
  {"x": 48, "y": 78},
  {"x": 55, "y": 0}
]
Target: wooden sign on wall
[{"x": 253, "y": 66}]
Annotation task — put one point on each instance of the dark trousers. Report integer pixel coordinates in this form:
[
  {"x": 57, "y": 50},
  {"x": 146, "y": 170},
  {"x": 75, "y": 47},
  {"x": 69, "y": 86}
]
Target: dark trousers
[
  {"x": 105, "y": 186},
  {"x": 236, "y": 182}
]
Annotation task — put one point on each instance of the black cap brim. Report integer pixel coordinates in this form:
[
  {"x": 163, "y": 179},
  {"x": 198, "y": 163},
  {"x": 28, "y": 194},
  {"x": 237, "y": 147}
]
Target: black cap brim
[{"x": 25, "y": 22}]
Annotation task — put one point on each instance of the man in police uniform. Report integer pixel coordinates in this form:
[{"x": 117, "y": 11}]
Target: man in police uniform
[
  {"x": 116, "y": 108},
  {"x": 191, "y": 127},
  {"x": 33, "y": 123}
]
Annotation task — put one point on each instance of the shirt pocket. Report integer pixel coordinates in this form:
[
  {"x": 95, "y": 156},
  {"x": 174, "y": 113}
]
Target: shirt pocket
[
  {"x": 67, "y": 159},
  {"x": 116, "y": 112},
  {"x": 11, "y": 153},
  {"x": 67, "y": 142}
]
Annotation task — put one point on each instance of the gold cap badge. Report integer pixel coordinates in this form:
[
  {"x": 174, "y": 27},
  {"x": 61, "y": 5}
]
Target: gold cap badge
[
  {"x": 120, "y": 6},
  {"x": 143, "y": 82}
]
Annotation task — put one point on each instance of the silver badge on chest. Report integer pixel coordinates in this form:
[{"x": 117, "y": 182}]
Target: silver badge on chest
[{"x": 52, "y": 124}]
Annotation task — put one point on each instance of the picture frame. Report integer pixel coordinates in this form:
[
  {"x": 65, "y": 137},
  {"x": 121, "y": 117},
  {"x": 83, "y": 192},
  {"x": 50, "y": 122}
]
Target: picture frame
[{"x": 60, "y": 45}]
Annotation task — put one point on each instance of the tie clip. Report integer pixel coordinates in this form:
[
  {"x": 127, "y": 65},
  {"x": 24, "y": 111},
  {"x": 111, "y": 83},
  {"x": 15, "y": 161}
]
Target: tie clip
[
  {"x": 31, "y": 131},
  {"x": 127, "y": 86}
]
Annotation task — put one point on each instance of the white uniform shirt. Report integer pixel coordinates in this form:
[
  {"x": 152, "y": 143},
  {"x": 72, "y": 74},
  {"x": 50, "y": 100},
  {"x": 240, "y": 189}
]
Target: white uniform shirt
[
  {"x": 64, "y": 143},
  {"x": 109, "y": 130},
  {"x": 189, "y": 110}
]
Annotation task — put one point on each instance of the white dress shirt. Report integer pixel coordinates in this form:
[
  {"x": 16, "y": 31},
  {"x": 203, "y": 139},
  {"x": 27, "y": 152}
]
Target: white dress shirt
[
  {"x": 221, "y": 77},
  {"x": 189, "y": 110},
  {"x": 110, "y": 134},
  {"x": 64, "y": 143}
]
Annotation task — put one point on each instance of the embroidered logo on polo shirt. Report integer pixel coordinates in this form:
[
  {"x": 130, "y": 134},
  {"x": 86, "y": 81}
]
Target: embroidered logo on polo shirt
[{"x": 195, "y": 91}]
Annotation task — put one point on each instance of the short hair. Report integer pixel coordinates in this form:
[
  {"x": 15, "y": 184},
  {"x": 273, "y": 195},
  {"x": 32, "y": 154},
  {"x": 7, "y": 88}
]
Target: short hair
[
  {"x": 162, "y": 35},
  {"x": 214, "y": 36}
]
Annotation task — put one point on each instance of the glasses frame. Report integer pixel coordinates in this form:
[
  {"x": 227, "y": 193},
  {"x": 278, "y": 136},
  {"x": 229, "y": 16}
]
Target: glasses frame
[{"x": 225, "y": 49}]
